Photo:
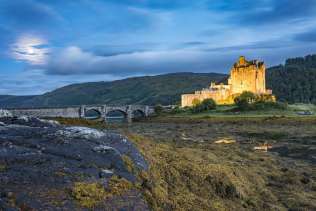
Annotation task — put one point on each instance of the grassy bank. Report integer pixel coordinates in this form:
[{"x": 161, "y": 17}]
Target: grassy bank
[
  {"x": 293, "y": 110},
  {"x": 188, "y": 171}
]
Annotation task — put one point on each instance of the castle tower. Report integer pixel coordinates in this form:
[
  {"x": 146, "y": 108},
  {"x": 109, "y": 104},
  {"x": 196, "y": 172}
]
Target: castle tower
[
  {"x": 244, "y": 76},
  {"x": 247, "y": 76}
]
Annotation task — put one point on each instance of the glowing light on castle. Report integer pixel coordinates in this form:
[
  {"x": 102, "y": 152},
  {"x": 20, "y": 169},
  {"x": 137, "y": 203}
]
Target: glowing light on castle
[{"x": 244, "y": 76}]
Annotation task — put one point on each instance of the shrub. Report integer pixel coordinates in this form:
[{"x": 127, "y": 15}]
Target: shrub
[
  {"x": 250, "y": 101},
  {"x": 178, "y": 109},
  {"x": 196, "y": 102},
  {"x": 244, "y": 101},
  {"x": 265, "y": 98},
  {"x": 197, "y": 108},
  {"x": 209, "y": 104},
  {"x": 3, "y": 167},
  {"x": 158, "y": 109},
  {"x": 205, "y": 105}
]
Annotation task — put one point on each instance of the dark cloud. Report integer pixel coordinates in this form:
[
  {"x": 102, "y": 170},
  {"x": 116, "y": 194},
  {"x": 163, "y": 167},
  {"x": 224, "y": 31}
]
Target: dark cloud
[
  {"x": 120, "y": 38},
  {"x": 113, "y": 50},
  {"x": 27, "y": 14},
  {"x": 249, "y": 12},
  {"x": 284, "y": 10},
  {"x": 266, "y": 45},
  {"x": 193, "y": 43},
  {"x": 233, "y": 5},
  {"x": 308, "y": 36},
  {"x": 73, "y": 61},
  {"x": 6, "y": 37},
  {"x": 157, "y": 4}
]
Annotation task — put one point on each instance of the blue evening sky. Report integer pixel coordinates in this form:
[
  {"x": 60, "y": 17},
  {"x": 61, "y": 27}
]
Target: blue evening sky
[{"x": 45, "y": 44}]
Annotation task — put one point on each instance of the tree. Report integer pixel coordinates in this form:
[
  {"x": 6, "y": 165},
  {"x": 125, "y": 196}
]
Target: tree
[
  {"x": 245, "y": 100},
  {"x": 196, "y": 102},
  {"x": 205, "y": 105},
  {"x": 208, "y": 104},
  {"x": 158, "y": 109},
  {"x": 265, "y": 98}
]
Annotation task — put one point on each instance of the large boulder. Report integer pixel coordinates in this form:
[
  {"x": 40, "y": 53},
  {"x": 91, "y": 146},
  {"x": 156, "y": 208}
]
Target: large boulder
[
  {"x": 5, "y": 113},
  {"x": 29, "y": 121},
  {"x": 42, "y": 163}
]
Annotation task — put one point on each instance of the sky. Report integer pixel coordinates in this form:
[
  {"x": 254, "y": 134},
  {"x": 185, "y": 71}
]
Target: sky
[{"x": 46, "y": 44}]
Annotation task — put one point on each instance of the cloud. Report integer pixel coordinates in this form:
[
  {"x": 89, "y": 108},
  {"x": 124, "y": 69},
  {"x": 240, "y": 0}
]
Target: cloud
[
  {"x": 5, "y": 38},
  {"x": 74, "y": 65},
  {"x": 307, "y": 36},
  {"x": 192, "y": 44},
  {"x": 92, "y": 40},
  {"x": 249, "y": 12},
  {"x": 35, "y": 82},
  {"x": 31, "y": 49},
  {"x": 157, "y": 4},
  {"x": 74, "y": 60},
  {"x": 27, "y": 14},
  {"x": 113, "y": 50}
]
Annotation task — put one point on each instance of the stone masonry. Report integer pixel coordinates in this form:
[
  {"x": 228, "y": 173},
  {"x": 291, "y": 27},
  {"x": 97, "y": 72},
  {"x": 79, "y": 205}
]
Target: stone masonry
[
  {"x": 80, "y": 111},
  {"x": 244, "y": 76}
]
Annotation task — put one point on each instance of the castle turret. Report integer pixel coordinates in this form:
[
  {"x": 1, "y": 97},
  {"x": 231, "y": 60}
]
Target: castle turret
[
  {"x": 244, "y": 76},
  {"x": 247, "y": 76}
]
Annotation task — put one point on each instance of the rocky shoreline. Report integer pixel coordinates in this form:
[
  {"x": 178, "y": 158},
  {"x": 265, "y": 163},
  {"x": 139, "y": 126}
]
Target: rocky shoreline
[{"x": 41, "y": 161}]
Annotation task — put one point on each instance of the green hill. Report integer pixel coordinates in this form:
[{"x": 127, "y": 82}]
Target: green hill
[
  {"x": 293, "y": 82},
  {"x": 14, "y": 101},
  {"x": 149, "y": 90}
]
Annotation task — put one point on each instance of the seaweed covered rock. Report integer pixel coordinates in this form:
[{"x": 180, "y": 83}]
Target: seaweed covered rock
[
  {"x": 47, "y": 166},
  {"x": 5, "y": 113}
]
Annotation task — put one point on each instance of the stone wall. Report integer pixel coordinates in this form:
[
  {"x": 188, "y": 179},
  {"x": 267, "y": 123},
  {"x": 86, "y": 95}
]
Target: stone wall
[
  {"x": 48, "y": 112},
  {"x": 248, "y": 76},
  {"x": 79, "y": 112},
  {"x": 244, "y": 76},
  {"x": 220, "y": 96}
]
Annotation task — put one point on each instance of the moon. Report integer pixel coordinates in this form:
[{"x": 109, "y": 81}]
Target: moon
[{"x": 28, "y": 48}]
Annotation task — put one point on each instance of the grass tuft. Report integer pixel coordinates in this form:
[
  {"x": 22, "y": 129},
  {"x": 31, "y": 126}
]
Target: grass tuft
[
  {"x": 3, "y": 167},
  {"x": 91, "y": 194}
]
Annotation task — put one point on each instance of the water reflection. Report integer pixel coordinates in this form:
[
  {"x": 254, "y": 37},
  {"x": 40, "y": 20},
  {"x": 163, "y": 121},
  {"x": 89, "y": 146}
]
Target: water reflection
[
  {"x": 92, "y": 114},
  {"x": 116, "y": 117}
]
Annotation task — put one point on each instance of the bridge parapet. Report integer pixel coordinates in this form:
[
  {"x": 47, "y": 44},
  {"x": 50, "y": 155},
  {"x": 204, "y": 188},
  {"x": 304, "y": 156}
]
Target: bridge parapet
[
  {"x": 48, "y": 112},
  {"x": 80, "y": 111},
  {"x": 127, "y": 110}
]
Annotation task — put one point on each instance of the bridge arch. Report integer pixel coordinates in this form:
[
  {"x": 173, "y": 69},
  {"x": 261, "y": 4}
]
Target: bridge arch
[
  {"x": 116, "y": 115},
  {"x": 92, "y": 113},
  {"x": 128, "y": 111},
  {"x": 138, "y": 114}
]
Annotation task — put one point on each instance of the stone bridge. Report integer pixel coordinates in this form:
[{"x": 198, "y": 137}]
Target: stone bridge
[{"x": 129, "y": 111}]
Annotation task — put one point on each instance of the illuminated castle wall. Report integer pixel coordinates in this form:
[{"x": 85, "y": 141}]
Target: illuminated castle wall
[{"x": 244, "y": 76}]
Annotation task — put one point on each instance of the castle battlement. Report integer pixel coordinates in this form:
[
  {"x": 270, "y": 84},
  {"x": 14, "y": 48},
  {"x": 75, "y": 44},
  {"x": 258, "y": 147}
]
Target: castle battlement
[{"x": 244, "y": 76}]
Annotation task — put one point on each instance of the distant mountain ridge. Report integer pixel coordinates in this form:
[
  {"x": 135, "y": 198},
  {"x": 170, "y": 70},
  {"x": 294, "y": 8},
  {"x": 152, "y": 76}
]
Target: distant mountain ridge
[
  {"x": 295, "y": 81},
  {"x": 150, "y": 90}
]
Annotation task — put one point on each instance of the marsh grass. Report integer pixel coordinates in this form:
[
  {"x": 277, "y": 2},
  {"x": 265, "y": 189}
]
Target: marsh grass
[
  {"x": 90, "y": 194},
  {"x": 129, "y": 164},
  {"x": 189, "y": 172},
  {"x": 193, "y": 179},
  {"x": 3, "y": 167},
  {"x": 79, "y": 122}
]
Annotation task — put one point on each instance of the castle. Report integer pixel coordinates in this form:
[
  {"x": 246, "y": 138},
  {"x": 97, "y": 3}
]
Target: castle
[{"x": 244, "y": 76}]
